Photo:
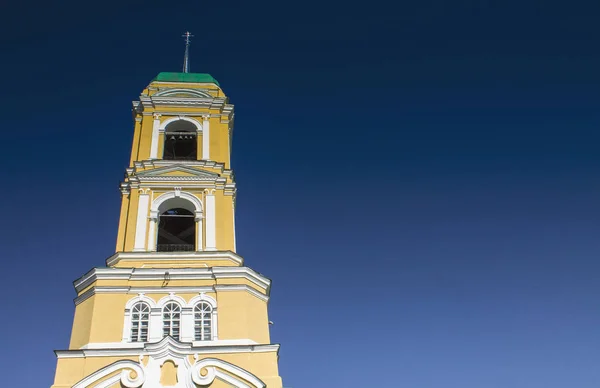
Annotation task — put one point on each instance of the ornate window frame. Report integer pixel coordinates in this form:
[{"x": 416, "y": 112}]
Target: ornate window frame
[
  {"x": 214, "y": 321},
  {"x": 189, "y": 202},
  {"x": 141, "y": 298},
  {"x": 155, "y": 324}
]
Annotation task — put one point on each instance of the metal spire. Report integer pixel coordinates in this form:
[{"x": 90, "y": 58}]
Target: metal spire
[{"x": 186, "y": 58}]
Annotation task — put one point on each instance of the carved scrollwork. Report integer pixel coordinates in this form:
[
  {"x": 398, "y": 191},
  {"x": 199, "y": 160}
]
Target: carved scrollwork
[{"x": 132, "y": 382}]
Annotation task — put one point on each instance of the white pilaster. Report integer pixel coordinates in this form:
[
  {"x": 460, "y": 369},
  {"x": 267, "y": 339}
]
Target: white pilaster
[
  {"x": 127, "y": 327},
  {"x": 205, "y": 138},
  {"x": 140, "y": 226},
  {"x": 215, "y": 325},
  {"x": 154, "y": 144},
  {"x": 233, "y": 223},
  {"x": 211, "y": 224},
  {"x": 199, "y": 232},
  {"x": 187, "y": 324},
  {"x": 152, "y": 231},
  {"x": 155, "y": 325}
]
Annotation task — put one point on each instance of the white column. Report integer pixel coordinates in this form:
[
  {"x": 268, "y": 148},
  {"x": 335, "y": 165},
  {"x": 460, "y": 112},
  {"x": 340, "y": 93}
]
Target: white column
[
  {"x": 205, "y": 139},
  {"x": 199, "y": 232},
  {"x": 140, "y": 226},
  {"x": 152, "y": 231},
  {"x": 187, "y": 324},
  {"x": 154, "y": 144},
  {"x": 211, "y": 224}
]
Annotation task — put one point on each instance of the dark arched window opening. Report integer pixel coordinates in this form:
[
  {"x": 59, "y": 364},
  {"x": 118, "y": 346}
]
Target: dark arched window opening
[
  {"x": 180, "y": 141},
  {"x": 176, "y": 231}
]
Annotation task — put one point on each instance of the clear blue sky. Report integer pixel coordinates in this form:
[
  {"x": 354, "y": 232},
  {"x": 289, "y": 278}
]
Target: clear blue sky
[{"x": 419, "y": 179}]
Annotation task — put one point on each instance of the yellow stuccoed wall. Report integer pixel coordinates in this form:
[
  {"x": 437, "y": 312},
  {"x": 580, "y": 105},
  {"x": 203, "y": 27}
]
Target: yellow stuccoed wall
[{"x": 100, "y": 318}]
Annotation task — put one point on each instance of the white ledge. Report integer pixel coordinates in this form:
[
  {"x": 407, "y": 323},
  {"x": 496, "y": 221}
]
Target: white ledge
[{"x": 178, "y": 256}]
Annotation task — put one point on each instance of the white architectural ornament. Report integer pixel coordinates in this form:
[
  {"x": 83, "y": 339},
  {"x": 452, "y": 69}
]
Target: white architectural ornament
[
  {"x": 155, "y": 319},
  {"x": 158, "y": 127},
  {"x": 141, "y": 222},
  {"x": 211, "y": 221},
  {"x": 175, "y": 198},
  {"x": 155, "y": 131},
  {"x": 206, "y": 138},
  {"x": 189, "y": 375},
  {"x": 126, "y": 367}
]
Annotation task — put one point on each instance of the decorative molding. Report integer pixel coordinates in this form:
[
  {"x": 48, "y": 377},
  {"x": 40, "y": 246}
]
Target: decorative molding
[
  {"x": 172, "y": 119},
  {"x": 124, "y": 377},
  {"x": 182, "y": 198},
  {"x": 161, "y": 290},
  {"x": 226, "y": 256},
  {"x": 195, "y": 344},
  {"x": 168, "y": 349},
  {"x": 145, "y": 274},
  {"x": 188, "y": 348},
  {"x": 193, "y": 93},
  {"x": 235, "y": 373}
]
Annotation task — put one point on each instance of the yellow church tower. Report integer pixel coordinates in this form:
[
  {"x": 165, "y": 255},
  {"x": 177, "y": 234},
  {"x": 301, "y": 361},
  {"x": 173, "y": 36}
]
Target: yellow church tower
[{"x": 175, "y": 306}]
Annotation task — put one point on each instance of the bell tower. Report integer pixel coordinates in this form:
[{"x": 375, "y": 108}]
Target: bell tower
[{"x": 174, "y": 306}]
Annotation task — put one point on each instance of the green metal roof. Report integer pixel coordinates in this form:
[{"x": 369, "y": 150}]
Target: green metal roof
[{"x": 186, "y": 77}]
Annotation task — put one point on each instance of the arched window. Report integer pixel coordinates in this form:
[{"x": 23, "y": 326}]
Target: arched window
[
  {"x": 176, "y": 231},
  {"x": 180, "y": 141},
  {"x": 171, "y": 320},
  {"x": 202, "y": 322},
  {"x": 140, "y": 315}
]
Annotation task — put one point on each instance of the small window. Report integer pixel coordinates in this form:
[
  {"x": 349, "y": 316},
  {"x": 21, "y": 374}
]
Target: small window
[
  {"x": 140, "y": 315},
  {"x": 172, "y": 320},
  {"x": 202, "y": 322}
]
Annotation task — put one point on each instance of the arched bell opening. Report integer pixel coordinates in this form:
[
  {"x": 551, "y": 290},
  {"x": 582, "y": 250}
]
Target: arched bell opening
[
  {"x": 180, "y": 141},
  {"x": 176, "y": 231}
]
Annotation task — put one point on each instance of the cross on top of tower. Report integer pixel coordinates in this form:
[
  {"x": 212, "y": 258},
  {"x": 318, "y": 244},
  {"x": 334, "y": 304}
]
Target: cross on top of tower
[{"x": 186, "y": 58}]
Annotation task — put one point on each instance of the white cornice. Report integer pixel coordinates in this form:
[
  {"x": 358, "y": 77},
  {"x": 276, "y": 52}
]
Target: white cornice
[
  {"x": 183, "y": 349},
  {"x": 166, "y": 290},
  {"x": 227, "y": 256},
  {"x": 140, "y": 345},
  {"x": 143, "y": 274},
  {"x": 154, "y": 163}
]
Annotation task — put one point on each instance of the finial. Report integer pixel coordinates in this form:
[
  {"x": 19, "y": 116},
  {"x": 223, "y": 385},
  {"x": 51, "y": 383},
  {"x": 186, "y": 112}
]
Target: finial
[{"x": 186, "y": 58}]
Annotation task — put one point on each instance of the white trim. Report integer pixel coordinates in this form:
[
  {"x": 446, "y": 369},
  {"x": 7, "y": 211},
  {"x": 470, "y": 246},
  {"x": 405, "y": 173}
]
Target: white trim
[
  {"x": 140, "y": 226},
  {"x": 133, "y": 274},
  {"x": 158, "y": 201},
  {"x": 197, "y": 124},
  {"x": 202, "y": 298},
  {"x": 140, "y": 345},
  {"x": 225, "y": 256},
  {"x": 126, "y": 352},
  {"x": 171, "y": 298},
  {"x": 206, "y": 139},
  {"x": 241, "y": 287},
  {"x": 140, "y": 298}
]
